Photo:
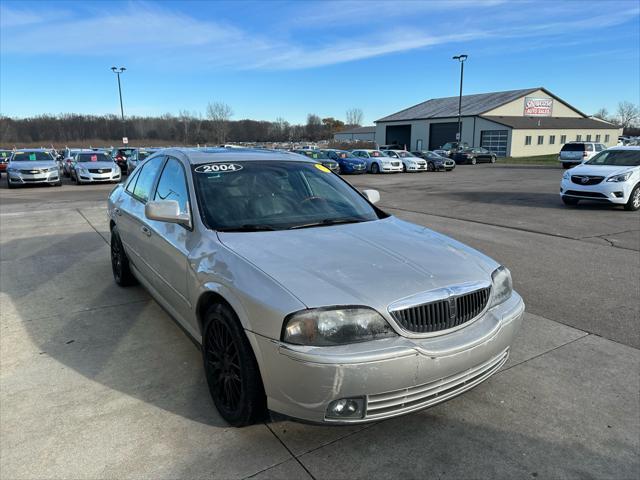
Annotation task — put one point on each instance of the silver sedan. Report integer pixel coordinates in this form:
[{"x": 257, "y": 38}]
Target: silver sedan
[
  {"x": 307, "y": 299},
  {"x": 94, "y": 167}
]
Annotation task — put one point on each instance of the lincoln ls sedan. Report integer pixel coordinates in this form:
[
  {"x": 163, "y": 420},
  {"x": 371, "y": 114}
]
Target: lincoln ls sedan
[{"x": 306, "y": 298}]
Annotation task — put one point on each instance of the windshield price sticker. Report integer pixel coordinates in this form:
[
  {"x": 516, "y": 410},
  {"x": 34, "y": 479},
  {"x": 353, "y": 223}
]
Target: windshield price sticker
[
  {"x": 94, "y": 158},
  {"x": 218, "y": 168},
  {"x": 32, "y": 157},
  {"x": 322, "y": 168}
]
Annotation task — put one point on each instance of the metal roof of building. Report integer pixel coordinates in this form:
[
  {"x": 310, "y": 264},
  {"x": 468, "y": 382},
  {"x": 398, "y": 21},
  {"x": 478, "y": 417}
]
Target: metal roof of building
[
  {"x": 448, "y": 106},
  {"x": 359, "y": 130},
  {"x": 569, "y": 123}
]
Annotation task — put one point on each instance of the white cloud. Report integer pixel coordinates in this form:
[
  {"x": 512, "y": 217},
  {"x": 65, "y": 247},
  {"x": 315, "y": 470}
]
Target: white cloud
[{"x": 148, "y": 33}]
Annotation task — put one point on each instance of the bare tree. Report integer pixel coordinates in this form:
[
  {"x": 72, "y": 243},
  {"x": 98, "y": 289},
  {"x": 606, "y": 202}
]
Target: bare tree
[
  {"x": 602, "y": 114},
  {"x": 185, "y": 119},
  {"x": 354, "y": 117},
  {"x": 628, "y": 114},
  {"x": 219, "y": 113}
]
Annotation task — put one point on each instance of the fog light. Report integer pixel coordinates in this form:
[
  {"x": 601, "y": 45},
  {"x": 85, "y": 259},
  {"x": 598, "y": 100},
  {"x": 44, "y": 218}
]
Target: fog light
[
  {"x": 346, "y": 408},
  {"x": 619, "y": 194}
]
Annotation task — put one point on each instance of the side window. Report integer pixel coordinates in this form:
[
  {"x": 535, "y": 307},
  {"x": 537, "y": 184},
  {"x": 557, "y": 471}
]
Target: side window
[
  {"x": 588, "y": 147},
  {"x": 148, "y": 172},
  {"x": 131, "y": 184},
  {"x": 173, "y": 184}
]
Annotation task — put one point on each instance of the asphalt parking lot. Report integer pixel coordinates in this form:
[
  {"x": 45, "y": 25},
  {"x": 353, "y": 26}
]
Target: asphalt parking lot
[{"x": 98, "y": 382}]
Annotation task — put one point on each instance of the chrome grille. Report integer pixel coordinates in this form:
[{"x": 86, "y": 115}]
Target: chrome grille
[
  {"x": 443, "y": 314},
  {"x": 33, "y": 172},
  {"x": 586, "y": 179},
  {"x": 421, "y": 396}
]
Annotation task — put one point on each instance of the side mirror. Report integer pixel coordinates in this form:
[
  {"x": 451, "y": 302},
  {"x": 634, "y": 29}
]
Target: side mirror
[
  {"x": 372, "y": 195},
  {"x": 166, "y": 211}
]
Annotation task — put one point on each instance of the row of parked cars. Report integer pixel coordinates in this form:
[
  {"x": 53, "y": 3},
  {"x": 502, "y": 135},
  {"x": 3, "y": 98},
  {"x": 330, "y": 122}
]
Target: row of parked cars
[
  {"x": 90, "y": 165},
  {"x": 384, "y": 160}
]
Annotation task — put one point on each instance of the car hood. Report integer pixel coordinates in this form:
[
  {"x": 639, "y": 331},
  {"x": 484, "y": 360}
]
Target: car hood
[
  {"x": 600, "y": 170},
  {"x": 33, "y": 165},
  {"x": 93, "y": 165},
  {"x": 369, "y": 263}
]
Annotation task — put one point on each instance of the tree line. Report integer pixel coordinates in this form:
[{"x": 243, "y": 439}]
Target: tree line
[{"x": 187, "y": 128}]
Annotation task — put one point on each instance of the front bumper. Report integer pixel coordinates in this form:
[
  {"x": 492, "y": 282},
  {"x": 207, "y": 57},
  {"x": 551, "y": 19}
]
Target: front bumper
[
  {"x": 613, "y": 192},
  {"x": 391, "y": 168},
  {"x": 18, "y": 178},
  {"x": 417, "y": 168},
  {"x": 394, "y": 376},
  {"x": 98, "y": 177},
  {"x": 354, "y": 169}
]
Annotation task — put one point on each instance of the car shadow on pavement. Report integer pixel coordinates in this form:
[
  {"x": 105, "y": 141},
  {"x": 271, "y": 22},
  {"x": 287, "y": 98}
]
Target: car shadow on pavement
[
  {"x": 524, "y": 199},
  {"x": 119, "y": 338}
]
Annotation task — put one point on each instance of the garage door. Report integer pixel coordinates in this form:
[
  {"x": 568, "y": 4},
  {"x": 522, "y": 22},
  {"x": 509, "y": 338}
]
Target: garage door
[
  {"x": 399, "y": 135},
  {"x": 495, "y": 141},
  {"x": 441, "y": 133}
]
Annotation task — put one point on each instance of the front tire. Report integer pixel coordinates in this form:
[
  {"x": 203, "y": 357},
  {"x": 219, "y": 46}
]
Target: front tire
[
  {"x": 9, "y": 184},
  {"x": 493, "y": 159},
  {"x": 375, "y": 168},
  {"x": 572, "y": 202},
  {"x": 633, "y": 203},
  {"x": 231, "y": 369},
  {"x": 120, "y": 262}
]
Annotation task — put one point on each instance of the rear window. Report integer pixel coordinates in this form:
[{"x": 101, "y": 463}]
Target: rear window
[{"x": 573, "y": 147}]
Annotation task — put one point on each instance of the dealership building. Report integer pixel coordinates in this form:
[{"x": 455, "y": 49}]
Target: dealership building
[{"x": 515, "y": 123}]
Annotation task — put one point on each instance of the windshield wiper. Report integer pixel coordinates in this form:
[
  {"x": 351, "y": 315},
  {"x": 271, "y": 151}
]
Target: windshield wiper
[
  {"x": 248, "y": 228},
  {"x": 327, "y": 222}
]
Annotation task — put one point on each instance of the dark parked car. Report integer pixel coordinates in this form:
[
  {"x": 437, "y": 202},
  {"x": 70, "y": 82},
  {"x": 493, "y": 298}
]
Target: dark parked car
[
  {"x": 473, "y": 156},
  {"x": 348, "y": 162},
  {"x": 322, "y": 157},
  {"x": 435, "y": 162},
  {"x": 120, "y": 155},
  {"x": 4, "y": 159},
  {"x": 452, "y": 147}
]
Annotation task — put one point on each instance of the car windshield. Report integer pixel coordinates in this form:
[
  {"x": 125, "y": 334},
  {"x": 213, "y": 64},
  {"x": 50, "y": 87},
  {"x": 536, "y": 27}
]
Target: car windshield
[
  {"x": 405, "y": 154},
  {"x": 32, "y": 157},
  {"x": 377, "y": 153},
  {"x": 619, "y": 158},
  {"x": 93, "y": 157},
  {"x": 345, "y": 154},
  {"x": 275, "y": 195},
  {"x": 125, "y": 151}
]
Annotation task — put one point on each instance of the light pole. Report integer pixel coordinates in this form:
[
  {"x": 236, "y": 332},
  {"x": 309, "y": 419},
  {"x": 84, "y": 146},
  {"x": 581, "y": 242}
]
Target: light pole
[
  {"x": 118, "y": 71},
  {"x": 461, "y": 59}
]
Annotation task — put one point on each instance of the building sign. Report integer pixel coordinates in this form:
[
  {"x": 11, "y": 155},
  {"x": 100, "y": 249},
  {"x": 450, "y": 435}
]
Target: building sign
[{"x": 538, "y": 107}]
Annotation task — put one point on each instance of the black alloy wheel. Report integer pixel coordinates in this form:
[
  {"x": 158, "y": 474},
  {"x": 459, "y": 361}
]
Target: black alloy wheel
[
  {"x": 375, "y": 168},
  {"x": 119, "y": 262},
  {"x": 431, "y": 167},
  {"x": 231, "y": 368}
]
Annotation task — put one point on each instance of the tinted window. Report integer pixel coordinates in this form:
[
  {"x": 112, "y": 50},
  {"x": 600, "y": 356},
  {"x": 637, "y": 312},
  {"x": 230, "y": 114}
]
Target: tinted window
[
  {"x": 172, "y": 184},
  {"x": 143, "y": 187},
  {"x": 573, "y": 147},
  {"x": 588, "y": 147}
]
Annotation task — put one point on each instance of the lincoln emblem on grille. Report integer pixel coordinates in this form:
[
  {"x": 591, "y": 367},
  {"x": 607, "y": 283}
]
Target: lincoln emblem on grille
[{"x": 452, "y": 307}]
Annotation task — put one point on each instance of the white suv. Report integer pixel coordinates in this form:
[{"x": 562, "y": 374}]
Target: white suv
[
  {"x": 573, "y": 153},
  {"x": 611, "y": 176}
]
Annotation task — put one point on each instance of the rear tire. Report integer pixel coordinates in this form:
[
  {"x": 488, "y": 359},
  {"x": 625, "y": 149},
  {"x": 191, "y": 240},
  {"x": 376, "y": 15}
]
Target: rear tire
[
  {"x": 375, "y": 168},
  {"x": 473, "y": 161},
  {"x": 120, "y": 262},
  {"x": 633, "y": 203},
  {"x": 572, "y": 202},
  {"x": 231, "y": 368},
  {"x": 431, "y": 167}
]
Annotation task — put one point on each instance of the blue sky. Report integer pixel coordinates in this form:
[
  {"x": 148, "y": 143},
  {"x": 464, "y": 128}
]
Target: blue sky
[{"x": 286, "y": 59}]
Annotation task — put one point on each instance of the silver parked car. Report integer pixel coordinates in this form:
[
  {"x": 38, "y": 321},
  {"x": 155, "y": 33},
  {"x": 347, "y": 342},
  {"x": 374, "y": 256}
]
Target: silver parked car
[
  {"x": 28, "y": 167},
  {"x": 410, "y": 163},
  {"x": 378, "y": 161},
  {"x": 94, "y": 167},
  {"x": 307, "y": 299},
  {"x": 137, "y": 156}
]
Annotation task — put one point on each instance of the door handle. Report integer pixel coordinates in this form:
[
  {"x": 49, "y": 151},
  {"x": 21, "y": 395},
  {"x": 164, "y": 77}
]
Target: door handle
[{"x": 146, "y": 231}]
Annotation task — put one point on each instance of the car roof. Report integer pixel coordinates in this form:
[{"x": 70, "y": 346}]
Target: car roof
[
  {"x": 47, "y": 150},
  {"x": 633, "y": 148},
  {"x": 210, "y": 155}
]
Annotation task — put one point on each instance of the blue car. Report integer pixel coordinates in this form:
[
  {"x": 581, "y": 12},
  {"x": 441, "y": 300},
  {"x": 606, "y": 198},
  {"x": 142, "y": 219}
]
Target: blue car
[{"x": 348, "y": 162}]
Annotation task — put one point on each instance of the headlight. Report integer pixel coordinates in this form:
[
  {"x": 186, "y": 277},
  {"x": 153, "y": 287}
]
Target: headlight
[
  {"x": 620, "y": 178},
  {"x": 502, "y": 286},
  {"x": 566, "y": 175},
  {"x": 322, "y": 327},
  {"x": 11, "y": 170}
]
